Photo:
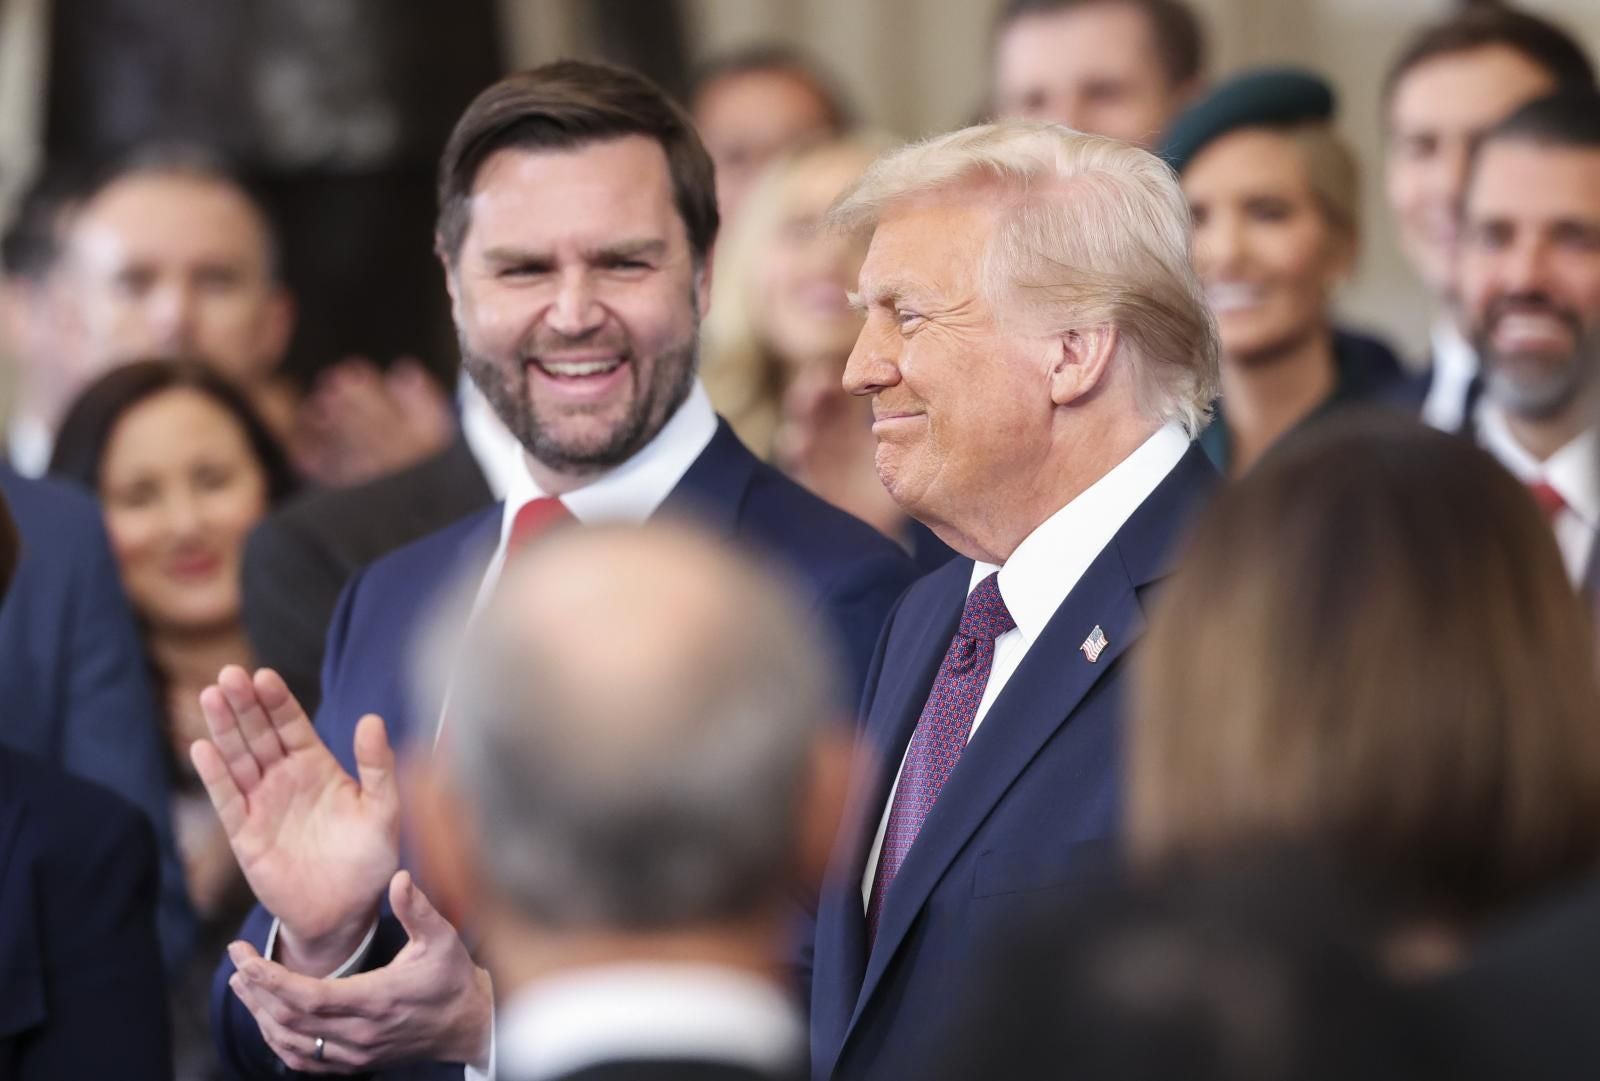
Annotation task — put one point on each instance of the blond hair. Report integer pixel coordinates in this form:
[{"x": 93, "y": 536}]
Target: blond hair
[
  {"x": 1092, "y": 231},
  {"x": 745, "y": 380}
]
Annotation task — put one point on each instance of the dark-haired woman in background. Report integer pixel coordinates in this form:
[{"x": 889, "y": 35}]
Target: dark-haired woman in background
[{"x": 184, "y": 469}]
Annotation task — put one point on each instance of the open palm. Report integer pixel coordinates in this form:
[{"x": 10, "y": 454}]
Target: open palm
[{"x": 317, "y": 846}]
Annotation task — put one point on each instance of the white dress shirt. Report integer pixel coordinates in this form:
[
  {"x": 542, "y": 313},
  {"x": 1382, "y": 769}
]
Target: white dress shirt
[
  {"x": 29, "y": 444},
  {"x": 1572, "y": 471},
  {"x": 631, "y": 492},
  {"x": 1046, "y": 566},
  {"x": 491, "y": 443},
  {"x": 648, "y": 1012},
  {"x": 1455, "y": 364}
]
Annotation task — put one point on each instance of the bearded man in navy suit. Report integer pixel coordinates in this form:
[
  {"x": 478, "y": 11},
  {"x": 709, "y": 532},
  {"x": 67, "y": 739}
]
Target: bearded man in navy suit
[
  {"x": 1039, "y": 358},
  {"x": 577, "y": 216}
]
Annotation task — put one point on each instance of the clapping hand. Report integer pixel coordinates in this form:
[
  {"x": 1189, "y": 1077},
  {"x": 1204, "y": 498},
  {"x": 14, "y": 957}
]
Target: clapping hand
[{"x": 317, "y": 846}]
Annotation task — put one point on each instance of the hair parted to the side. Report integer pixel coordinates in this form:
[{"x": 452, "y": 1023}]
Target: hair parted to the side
[
  {"x": 1092, "y": 232},
  {"x": 564, "y": 106},
  {"x": 1483, "y": 26}
]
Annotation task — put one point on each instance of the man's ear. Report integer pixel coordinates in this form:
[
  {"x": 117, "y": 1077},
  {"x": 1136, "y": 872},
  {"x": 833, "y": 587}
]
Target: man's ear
[
  {"x": 1081, "y": 362},
  {"x": 448, "y": 264},
  {"x": 278, "y": 328},
  {"x": 702, "y": 282}
]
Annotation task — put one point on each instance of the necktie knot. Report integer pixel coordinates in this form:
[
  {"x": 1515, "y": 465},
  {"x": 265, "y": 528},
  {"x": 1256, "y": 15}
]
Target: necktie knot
[
  {"x": 1549, "y": 500},
  {"x": 535, "y": 517},
  {"x": 985, "y": 615}
]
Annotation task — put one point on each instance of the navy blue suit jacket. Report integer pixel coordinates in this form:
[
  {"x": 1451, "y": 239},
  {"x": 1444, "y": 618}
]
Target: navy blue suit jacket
[
  {"x": 73, "y": 673},
  {"x": 852, "y": 572},
  {"x": 1026, "y": 811},
  {"x": 81, "y": 986}
]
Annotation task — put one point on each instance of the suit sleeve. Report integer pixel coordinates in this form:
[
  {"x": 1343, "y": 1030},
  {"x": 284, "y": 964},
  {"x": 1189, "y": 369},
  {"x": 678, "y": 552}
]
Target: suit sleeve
[
  {"x": 110, "y": 731},
  {"x": 238, "y": 1037},
  {"x": 291, "y": 590},
  {"x": 107, "y": 1005}
]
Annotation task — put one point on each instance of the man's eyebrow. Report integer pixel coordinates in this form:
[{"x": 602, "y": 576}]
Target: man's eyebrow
[
  {"x": 627, "y": 249},
  {"x": 622, "y": 249},
  {"x": 882, "y": 294},
  {"x": 509, "y": 256}
]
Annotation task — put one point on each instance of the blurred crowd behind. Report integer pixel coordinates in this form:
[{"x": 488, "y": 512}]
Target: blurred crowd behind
[{"x": 235, "y": 378}]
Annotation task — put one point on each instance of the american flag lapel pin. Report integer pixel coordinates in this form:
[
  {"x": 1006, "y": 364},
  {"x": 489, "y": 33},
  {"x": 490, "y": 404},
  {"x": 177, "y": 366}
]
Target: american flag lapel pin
[{"x": 1095, "y": 644}]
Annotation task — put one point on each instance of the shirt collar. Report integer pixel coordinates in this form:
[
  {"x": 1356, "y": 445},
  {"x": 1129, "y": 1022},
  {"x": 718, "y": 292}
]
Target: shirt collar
[
  {"x": 1050, "y": 560},
  {"x": 647, "y": 1011},
  {"x": 1572, "y": 471},
  {"x": 1453, "y": 356},
  {"x": 493, "y": 447},
  {"x": 634, "y": 490}
]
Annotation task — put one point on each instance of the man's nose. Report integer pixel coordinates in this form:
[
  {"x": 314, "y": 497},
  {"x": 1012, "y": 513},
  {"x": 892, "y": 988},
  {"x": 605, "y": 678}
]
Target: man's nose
[
  {"x": 873, "y": 363},
  {"x": 576, "y": 308}
]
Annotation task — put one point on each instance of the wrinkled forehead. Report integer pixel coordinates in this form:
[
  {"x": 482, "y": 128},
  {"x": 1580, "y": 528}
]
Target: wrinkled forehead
[
  {"x": 588, "y": 196},
  {"x": 931, "y": 242}
]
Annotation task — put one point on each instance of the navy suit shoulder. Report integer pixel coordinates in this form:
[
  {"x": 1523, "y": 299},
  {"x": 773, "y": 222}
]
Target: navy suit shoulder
[
  {"x": 299, "y": 559},
  {"x": 73, "y": 672},
  {"x": 852, "y": 572},
  {"x": 83, "y": 993},
  {"x": 1024, "y": 818}
]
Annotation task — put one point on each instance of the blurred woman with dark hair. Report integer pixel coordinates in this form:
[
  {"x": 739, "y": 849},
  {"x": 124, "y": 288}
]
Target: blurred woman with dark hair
[
  {"x": 1392, "y": 669},
  {"x": 184, "y": 468}
]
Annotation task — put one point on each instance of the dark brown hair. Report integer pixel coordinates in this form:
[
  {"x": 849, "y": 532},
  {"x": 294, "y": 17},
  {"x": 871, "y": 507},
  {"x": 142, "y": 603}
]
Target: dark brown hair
[
  {"x": 564, "y": 106},
  {"x": 1483, "y": 25},
  {"x": 81, "y": 444},
  {"x": 1371, "y": 646},
  {"x": 1175, "y": 30}
]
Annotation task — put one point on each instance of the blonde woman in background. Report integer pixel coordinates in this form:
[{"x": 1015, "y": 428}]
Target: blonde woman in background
[
  {"x": 1275, "y": 195},
  {"x": 781, "y": 328}
]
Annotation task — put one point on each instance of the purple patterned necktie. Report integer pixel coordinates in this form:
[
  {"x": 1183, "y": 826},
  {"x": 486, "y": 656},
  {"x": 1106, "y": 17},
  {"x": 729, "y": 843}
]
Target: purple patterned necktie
[{"x": 941, "y": 732}]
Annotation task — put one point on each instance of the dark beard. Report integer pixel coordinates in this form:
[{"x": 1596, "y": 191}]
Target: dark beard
[{"x": 651, "y": 409}]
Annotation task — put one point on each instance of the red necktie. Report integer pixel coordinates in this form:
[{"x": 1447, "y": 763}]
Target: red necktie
[
  {"x": 1548, "y": 498},
  {"x": 941, "y": 732},
  {"x": 534, "y": 518}
]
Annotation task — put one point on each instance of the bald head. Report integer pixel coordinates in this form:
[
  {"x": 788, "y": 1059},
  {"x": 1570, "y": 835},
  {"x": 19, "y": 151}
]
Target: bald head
[{"x": 631, "y": 723}]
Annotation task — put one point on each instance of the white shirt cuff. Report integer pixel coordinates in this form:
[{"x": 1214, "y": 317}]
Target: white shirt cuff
[
  {"x": 475, "y": 1074},
  {"x": 351, "y": 963}
]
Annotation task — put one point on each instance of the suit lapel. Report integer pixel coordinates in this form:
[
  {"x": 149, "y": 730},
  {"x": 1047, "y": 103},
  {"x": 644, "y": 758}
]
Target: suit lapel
[
  {"x": 908, "y": 672},
  {"x": 1040, "y": 697}
]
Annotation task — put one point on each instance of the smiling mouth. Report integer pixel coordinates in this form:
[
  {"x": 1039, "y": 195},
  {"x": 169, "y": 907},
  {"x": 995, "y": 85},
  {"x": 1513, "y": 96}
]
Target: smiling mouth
[
  {"x": 578, "y": 367},
  {"x": 1233, "y": 297}
]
